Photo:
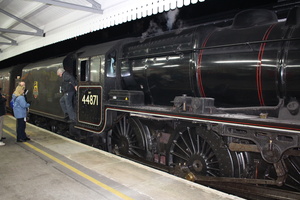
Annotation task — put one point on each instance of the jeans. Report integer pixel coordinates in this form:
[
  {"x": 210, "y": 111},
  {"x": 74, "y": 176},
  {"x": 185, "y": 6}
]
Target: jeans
[
  {"x": 66, "y": 103},
  {"x": 21, "y": 125}
]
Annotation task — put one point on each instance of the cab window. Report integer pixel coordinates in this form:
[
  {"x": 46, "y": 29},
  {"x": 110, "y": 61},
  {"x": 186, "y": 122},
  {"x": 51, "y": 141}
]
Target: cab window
[
  {"x": 125, "y": 70},
  {"x": 90, "y": 69},
  {"x": 95, "y": 69},
  {"x": 83, "y": 69}
]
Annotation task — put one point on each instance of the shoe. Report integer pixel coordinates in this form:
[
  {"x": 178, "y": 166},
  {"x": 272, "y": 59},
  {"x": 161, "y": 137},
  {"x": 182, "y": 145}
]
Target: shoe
[
  {"x": 27, "y": 138},
  {"x": 3, "y": 138},
  {"x": 20, "y": 140},
  {"x": 2, "y": 143}
]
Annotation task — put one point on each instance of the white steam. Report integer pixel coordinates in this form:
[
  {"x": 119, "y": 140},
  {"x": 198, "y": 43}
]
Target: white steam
[
  {"x": 171, "y": 18},
  {"x": 155, "y": 29}
]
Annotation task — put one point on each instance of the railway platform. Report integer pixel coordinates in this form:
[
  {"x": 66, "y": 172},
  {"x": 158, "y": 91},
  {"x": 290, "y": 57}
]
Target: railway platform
[{"x": 50, "y": 166}]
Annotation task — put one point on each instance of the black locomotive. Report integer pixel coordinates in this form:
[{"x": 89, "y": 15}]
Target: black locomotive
[{"x": 204, "y": 101}]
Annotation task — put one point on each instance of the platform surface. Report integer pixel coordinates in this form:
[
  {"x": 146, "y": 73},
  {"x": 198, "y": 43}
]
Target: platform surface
[{"x": 52, "y": 167}]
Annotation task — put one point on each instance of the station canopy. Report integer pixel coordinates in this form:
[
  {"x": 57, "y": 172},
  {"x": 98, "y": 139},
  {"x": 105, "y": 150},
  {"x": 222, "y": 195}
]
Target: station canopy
[{"x": 26, "y": 25}]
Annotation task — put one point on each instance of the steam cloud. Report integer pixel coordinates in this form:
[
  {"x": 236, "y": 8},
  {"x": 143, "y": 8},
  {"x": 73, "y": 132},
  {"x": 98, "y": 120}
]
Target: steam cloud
[
  {"x": 171, "y": 18},
  {"x": 165, "y": 20}
]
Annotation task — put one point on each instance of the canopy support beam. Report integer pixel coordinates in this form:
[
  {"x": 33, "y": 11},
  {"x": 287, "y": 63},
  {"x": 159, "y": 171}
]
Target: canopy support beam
[
  {"x": 96, "y": 7},
  {"x": 39, "y": 32}
]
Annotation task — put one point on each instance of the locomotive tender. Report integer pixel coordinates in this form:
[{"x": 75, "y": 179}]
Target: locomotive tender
[{"x": 205, "y": 101}]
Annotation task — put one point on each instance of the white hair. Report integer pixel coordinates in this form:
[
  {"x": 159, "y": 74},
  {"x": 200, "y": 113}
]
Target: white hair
[{"x": 60, "y": 70}]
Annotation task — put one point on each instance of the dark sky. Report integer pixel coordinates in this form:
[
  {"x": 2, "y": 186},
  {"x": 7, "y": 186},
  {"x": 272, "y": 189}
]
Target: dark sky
[{"x": 210, "y": 10}]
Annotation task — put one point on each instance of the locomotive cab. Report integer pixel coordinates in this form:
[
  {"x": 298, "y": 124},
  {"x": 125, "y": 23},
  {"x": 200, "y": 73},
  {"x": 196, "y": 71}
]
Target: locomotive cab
[{"x": 98, "y": 74}]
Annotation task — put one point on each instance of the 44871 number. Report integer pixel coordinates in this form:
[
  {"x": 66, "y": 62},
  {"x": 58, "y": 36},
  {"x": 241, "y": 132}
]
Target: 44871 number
[{"x": 90, "y": 99}]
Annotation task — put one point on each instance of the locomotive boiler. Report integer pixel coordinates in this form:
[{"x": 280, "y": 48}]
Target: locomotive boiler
[{"x": 204, "y": 101}]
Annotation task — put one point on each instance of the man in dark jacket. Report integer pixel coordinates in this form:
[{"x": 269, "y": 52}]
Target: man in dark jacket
[
  {"x": 2, "y": 113},
  {"x": 69, "y": 88}
]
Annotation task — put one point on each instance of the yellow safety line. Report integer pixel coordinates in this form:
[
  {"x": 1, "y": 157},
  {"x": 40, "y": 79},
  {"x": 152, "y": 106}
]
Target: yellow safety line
[{"x": 73, "y": 169}]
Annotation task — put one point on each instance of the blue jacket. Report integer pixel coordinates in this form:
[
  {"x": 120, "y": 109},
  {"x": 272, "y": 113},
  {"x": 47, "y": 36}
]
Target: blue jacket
[{"x": 20, "y": 107}]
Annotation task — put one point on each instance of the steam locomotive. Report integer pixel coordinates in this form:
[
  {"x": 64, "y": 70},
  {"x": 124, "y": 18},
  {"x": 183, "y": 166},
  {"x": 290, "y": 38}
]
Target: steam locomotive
[{"x": 204, "y": 101}]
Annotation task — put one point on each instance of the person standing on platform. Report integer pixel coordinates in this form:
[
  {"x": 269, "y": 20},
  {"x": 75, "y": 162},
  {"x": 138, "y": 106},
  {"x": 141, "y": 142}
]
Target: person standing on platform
[
  {"x": 22, "y": 83},
  {"x": 2, "y": 113},
  {"x": 20, "y": 113},
  {"x": 69, "y": 88}
]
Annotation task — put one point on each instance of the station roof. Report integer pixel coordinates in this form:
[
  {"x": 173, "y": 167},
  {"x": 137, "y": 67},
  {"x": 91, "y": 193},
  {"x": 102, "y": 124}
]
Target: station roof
[{"x": 26, "y": 25}]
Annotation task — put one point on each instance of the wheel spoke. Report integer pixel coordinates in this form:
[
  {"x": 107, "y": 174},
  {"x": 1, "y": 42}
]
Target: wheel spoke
[
  {"x": 127, "y": 127},
  {"x": 213, "y": 162},
  {"x": 184, "y": 141},
  {"x": 207, "y": 149},
  {"x": 136, "y": 147},
  {"x": 180, "y": 156},
  {"x": 293, "y": 180},
  {"x": 213, "y": 172},
  {"x": 117, "y": 136},
  {"x": 198, "y": 144},
  {"x": 118, "y": 133},
  {"x": 294, "y": 165},
  {"x": 175, "y": 142},
  {"x": 203, "y": 147},
  {"x": 210, "y": 156},
  {"x": 191, "y": 140},
  {"x": 134, "y": 152}
]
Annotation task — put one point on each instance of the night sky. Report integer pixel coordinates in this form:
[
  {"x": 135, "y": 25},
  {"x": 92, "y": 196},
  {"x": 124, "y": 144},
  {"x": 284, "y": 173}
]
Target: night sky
[{"x": 210, "y": 10}]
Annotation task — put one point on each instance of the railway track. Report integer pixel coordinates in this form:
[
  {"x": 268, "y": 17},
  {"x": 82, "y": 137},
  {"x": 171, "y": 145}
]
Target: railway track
[{"x": 253, "y": 192}]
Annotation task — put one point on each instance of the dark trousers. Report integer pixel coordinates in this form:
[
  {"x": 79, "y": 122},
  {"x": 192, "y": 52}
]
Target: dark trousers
[
  {"x": 66, "y": 103},
  {"x": 21, "y": 125}
]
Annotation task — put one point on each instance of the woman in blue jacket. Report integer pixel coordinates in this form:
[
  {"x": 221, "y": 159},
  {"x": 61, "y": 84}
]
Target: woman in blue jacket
[{"x": 20, "y": 113}]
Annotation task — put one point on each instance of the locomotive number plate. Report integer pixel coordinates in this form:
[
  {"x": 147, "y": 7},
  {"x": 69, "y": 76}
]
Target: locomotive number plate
[{"x": 89, "y": 104}]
